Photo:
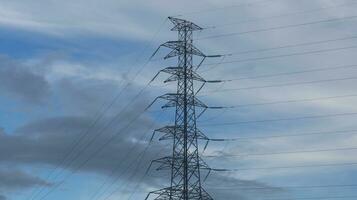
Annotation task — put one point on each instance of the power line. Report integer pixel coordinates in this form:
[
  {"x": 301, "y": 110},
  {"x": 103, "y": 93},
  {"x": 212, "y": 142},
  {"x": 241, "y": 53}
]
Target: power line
[
  {"x": 110, "y": 139},
  {"x": 282, "y": 56},
  {"x": 100, "y": 133},
  {"x": 292, "y": 101},
  {"x": 281, "y": 85},
  {"x": 110, "y": 105},
  {"x": 130, "y": 166},
  {"x": 136, "y": 187},
  {"x": 278, "y": 27},
  {"x": 286, "y": 167},
  {"x": 117, "y": 167},
  {"x": 78, "y": 141},
  {"x": 215, "y": 65},
  {"x": 284, "y": 47},
  {"x": 353, "y": 131},
  {"x": 131, "y": 177},
  {"x": 288, "y": 187},
  {"x": 98, "y": 118},
  {"x": 291, "y": 73},
  {"x": 226, "y": 108},
  {"x": 329, "y": 197},
  {"x": 283, "y": 152},
  {"x": 280, "y": 102},
  {"x": 293, "y": 45},
  {"x": 287, "y": 14},
  {"x": 282, "y": 119}
]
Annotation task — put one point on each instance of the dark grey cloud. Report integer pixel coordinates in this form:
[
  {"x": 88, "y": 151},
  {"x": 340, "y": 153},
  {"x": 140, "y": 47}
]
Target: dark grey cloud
[
  {"x": 227, "y": 187},
  {"x": 48, "y": 140},
  {"x": 17, "y": 80},
  {"x": 16, "y": 179}
]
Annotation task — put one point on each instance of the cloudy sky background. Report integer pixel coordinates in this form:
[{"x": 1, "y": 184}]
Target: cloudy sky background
[{"x": 71, "y": 71}]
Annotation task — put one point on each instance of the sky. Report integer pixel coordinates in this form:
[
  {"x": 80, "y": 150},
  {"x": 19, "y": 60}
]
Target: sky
[{"x": 75, "y": 84}]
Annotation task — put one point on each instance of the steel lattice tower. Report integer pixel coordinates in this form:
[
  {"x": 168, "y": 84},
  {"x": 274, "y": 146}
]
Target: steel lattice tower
[{"x": 185, "y": 163}]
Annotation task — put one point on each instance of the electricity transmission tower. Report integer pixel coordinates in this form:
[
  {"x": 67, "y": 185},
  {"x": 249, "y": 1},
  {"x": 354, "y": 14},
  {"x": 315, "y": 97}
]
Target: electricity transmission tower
[{"x": 185, "y": 163}]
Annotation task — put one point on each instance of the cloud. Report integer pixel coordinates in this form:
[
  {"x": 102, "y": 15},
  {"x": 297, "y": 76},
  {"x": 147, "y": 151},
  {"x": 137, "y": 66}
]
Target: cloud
[
  {"x": 12, "y": 179},
  {"x": 15, "y": 179},
  {"x": 86, "y": 95},
  {"x": 81, "y": 90},
  {"x": 18, "y": 81},
  {"x": 65, "y": 19},
  {"x": 228, "y": 187},
  {"x": 44, "y": 142},
  {"x": 221, "y": 186}
]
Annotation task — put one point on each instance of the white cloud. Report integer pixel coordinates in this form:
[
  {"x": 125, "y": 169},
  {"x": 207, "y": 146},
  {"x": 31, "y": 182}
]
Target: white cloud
[{"x": 68, "y": 18}]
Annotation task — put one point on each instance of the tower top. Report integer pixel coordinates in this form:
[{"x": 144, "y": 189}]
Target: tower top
[{"x": 181, "y": 24}]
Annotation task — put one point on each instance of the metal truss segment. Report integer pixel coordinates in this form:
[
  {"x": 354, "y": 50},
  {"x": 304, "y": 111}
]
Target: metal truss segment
[
  {"x": 176, "y": 99},
  {"x": 181, "y": 24},
  {"x": 180, "y": 48}
]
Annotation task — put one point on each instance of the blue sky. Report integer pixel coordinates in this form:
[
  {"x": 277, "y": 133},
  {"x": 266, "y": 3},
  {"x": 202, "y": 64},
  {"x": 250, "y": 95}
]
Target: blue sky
[{"x": 63, "y": 62}]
